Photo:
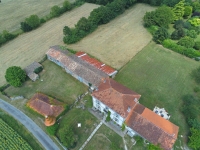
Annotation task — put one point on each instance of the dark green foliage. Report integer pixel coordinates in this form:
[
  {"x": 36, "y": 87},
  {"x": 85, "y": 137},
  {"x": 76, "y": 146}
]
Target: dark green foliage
[
  {"x": 2, "y": 88},
  {"x": 194, "y": 139},
  {"x": 66, "y": 6},
  {"x": 67, "y": 136},
  {"x": 196, "y": 6},
  {"x": 52, "y": 129},
  {"x": 189, "y": 52},
  {"x": 177, "y": 34},
  {"x": 178, "y": 24},
  {"x": 153, "y": 147},
  {"x": 197, "y": 45},
  {"x": 25, "y": 27},
  {"x": 160, "y": 35},
  {"x": 83, "y": 24},
  {"x": 187, "y": 42},
  {"x": 15, "y": 76},
  {"x": 42, "y": 20},
  {"x": 170, "y": 3},
  {"x": 55, "y": 11},
  {"x": 196, "y": 75},
  {"x": 162, "y": 17},
  {"x": 187, "y": 11},
  {"x": 66, "y": 30},
  {"x": 33, "y": 21},
  {"x": 108, "y": 117},
  {"x": 101, "y": 2},
  {"x": 192, "y": 33},
  {"x": 38, "y": 70}
]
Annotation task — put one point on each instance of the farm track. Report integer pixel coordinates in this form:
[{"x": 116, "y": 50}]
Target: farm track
[{"x": 31, "y": 46}]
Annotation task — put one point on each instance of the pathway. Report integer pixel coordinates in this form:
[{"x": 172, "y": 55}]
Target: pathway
[
  {"x": 92, "y": 134},
  {"x": 39, "y": 134}
]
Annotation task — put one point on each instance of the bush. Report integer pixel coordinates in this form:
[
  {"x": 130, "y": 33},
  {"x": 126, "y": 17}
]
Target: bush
[
  {"x": 195, "y": 21},
  {"x": 15, "y": 76},
  {"x": 66, "y": 6},
  {"x": 177, "y": 34},
  {"x": 152, "y": 29},
  {"x": 55, "y": 11},
  {"x": 192, "y": 33},
  {"x": 38, "y": 70},
  {"x": 187, "y": 11},
  {"x": 197, "y": 45},
  {"x": 2, "y": 88},
  {"x": 178, "y": 24},
  {"x": 52, "y": 129},
  {"x": 42, "y": 20},
  {"x": 33, "y": 21},
  {"x": 108, "y": 117},
  {"x": 160, "y": 35},
  {"x": 187, "y": 42}
]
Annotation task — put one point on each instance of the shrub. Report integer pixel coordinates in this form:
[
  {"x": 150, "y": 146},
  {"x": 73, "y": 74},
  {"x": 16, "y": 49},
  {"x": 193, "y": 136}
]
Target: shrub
[
  {"x": 177, "y": 34},
  {"x": 194, "y": 139},
  {"x": 38, "y": 70},
  {"x": 187, "y": 11},
  {"x": 66, "y": 6},
  {"x": 15, "y": 76},
  {"x": 55, "y": 11},
  {"x": 42, "y": 20},
  {"x": 192, "y": 33},
  {"x": 187, "y": 42},
  {"x": 108, "y": 117},
  {"x": 2, "y": 88},
  {"x": 33, "y": 21},
  {"x": 152, "y": 29},
  {"x": 195, "y": 21},
  {"x": 178, "y": 24},
  {"x": 160, "y": 35},
  {"x": 52, "y": 129},
  {"x": 197, "y": 45}
]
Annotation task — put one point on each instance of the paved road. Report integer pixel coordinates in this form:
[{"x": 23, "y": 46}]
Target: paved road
[{"x": 39, "y": 134}]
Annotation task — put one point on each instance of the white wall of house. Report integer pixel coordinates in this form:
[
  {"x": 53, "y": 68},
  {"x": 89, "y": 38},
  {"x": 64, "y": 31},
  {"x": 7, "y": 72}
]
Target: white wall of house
[{"x": 103, "y": 108}]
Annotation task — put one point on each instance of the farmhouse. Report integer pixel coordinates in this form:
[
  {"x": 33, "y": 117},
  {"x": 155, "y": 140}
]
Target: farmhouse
[
  {"x": 30, "y": 71},
  {"x": 123, "y": 105},
  {"x": 48, "y": 107},
  {"x": 87, "y": 70}
]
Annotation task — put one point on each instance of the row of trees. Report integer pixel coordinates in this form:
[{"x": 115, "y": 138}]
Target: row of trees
[
  {"x": 98, "y": 16},
  {"x": 5, "y": 36},
  {"x": 34, "y": 21}
]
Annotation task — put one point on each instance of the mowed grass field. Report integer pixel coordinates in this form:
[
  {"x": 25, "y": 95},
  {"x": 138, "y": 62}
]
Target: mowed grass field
[
  {"x": 162, "y": 77},
  {"x": 12, "y": 12},
  {"x": 118, "y": 41},
  {"x": 31, "y": 46}
]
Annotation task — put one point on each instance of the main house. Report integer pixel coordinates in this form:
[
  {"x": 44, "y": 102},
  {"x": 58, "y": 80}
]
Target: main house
[
  {"x": 81, "y": 66},
  {"x": 124, "y": 107}
]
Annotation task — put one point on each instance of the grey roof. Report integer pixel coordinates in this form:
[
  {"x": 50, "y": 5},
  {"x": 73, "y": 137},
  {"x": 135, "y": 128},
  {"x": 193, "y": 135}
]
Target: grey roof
[
  {"x": 76, "y": 65},
  {"x": 30, "y": 70}
]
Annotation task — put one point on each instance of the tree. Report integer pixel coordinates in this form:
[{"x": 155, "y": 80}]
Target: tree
[
  {"x": 25, "y": 27},
  {"x": 161, "y": 17},
  {"x": 194, "y": 139},
  {"x": 66, "y": 5},
  {"x": 52, "y": 129},
  {"x": 192, "y": 33},
  {"x": 8, "y": 36},
  {"x": 177, "y": 34},
  {"x": 83, "y": 24},
  {"x": 67, "y": 137},
  {"x": 160, "y": 35},
  {"x": 15, "y": 76},
  {"x": 197, "y": 45},
  {"x": 178, "y": 10},
  {"x": 55, "y": 11},
  {"x": 187, "y": 11},
  {"x": 153, "y": 147},
  {"x": 187, "y": 42},
  {"x": 33, "y": 21},
  {"x": 66, "y": 30}
]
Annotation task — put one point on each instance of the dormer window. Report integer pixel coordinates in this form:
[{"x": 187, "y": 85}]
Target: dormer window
[{"x": 136, "y": 100}]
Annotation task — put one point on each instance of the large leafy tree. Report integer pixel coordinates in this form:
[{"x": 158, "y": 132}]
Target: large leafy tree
[
  {"x": 15, "y": 76},
  {"x": 187, "y": 42},
  {"x": 160, "y": 35},
  {"x": 33, "y": 21},
  {"x": 194, "y": 141},
  {"x": 178, "y": 10}
]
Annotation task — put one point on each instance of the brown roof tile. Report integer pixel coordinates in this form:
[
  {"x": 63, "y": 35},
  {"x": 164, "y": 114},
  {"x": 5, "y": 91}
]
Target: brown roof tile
[
  {"x": 152, "y": 127},
  {"x": 116, "y": 96},
  {"x": 45, "y": 105}
]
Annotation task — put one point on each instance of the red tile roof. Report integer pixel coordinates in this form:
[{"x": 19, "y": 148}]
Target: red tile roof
[
  {"x": 99, "y": 65},
  {"x": 45, "y": 105},
  {"x": 152, "y": 127},
  {"x": 116, "y": 96}
]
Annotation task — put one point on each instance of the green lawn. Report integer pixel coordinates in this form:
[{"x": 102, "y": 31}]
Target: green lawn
[
  {"x": 105, "y": 139},
  {"x": 162, "y": 77},
  {"x": 21, "y": 130},
  {"x": 87, "y": 120},
  {"x": 56, "y": 82}
]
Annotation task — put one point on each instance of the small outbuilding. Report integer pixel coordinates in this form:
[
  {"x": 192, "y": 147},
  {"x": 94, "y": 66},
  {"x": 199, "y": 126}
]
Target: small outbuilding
[{"x": 30, "y": 71}]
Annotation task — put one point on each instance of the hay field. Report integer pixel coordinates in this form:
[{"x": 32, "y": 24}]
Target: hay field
[
  {"x": 12, "y": 12},
  {"x": 29, "y": 47},
  {"x": 118, "y": 41}
]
